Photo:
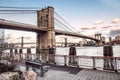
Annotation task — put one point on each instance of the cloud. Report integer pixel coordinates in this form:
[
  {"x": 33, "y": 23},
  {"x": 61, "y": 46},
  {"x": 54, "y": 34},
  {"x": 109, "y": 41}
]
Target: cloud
[
  {"x": 108, "y": 29},
  {"x": 111, "y": 30},
  {"x": 106, "y": 32},
  {"x": 116, "y": 20},
  {"x": 114, "y": 32},
  {"x": 98, "y": 22},
  {"x": 107, "y": 26},
  {"x": 88, "y": 28}
]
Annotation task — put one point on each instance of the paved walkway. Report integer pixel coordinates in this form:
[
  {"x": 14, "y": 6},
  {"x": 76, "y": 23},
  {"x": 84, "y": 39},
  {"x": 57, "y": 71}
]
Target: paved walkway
[
  {"x": 72, "y": 73},
  {"x": 60, "y": 73},
  {"x": 86, "y": 74}
]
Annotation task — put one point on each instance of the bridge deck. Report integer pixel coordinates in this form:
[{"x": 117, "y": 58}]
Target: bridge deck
[
  {"x": 72, "y": 73},
  {"x": 6, "y": 24}
]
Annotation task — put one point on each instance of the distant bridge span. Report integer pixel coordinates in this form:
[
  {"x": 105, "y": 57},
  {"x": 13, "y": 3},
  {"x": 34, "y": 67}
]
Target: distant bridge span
[
  {"x": 60, "y": 32},
  {"x": 5, "y": 24}
]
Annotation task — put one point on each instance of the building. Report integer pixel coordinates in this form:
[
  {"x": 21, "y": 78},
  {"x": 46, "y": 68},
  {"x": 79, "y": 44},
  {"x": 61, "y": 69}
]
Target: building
[
  {"x": 1, "y": 36},
  {"x": 110, "y": 39},
  {"x": 117, "y": 39},
  {"x": 103, "y": 39}
]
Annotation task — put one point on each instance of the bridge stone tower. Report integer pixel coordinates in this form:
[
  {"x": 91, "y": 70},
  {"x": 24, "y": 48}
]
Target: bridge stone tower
[
  {"x": 45, "y": 20},
  {"x": 98, "y": 36}
]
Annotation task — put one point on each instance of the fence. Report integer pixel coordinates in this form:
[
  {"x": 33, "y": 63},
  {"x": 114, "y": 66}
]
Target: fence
[{"x": 94, "y": 62}]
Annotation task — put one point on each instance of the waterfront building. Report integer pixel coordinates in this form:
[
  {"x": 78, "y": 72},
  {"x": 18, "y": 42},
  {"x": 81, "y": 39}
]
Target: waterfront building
[
  {"x": 1, "y": 36},
  {"x": 117, "y": 39},
  {"x": 110, "y": 39},
  {"x": 103, "y": 39},
  {"x": 84, "y": 41}
]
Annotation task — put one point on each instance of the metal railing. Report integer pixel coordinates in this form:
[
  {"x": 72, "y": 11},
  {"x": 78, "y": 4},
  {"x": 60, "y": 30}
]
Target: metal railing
[{"x": 93, "y": 62}]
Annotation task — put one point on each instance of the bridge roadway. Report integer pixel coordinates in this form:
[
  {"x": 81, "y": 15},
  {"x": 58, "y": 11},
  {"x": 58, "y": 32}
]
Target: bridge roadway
[
  {"x": 5, "y": 24},
  {"x": 35, "y": 43}
]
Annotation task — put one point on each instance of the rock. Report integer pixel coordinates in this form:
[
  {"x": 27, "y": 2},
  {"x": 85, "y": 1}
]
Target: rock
[
  {"x": 6, "y": 66},
  {"x": 10, "y": 76},
  {"x": 17, "y": 57},
  {"x": 30, "y": 75},
  {"x": 16, "y": 69},
  {"x": 5, "y": 62}
]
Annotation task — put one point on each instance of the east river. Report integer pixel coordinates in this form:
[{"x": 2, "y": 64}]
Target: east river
[
  {"x": 83, "y": 51},
  {"x": 88, "y": 51}
]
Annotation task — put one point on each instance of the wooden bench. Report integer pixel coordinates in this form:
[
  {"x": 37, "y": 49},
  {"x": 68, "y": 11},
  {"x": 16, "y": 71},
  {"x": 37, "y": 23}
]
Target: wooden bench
[{"x": 39, "y": 68}]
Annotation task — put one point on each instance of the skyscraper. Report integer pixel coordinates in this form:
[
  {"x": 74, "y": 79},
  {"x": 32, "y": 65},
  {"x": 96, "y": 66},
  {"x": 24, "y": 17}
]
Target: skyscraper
[{"x": 1, "y": 36}]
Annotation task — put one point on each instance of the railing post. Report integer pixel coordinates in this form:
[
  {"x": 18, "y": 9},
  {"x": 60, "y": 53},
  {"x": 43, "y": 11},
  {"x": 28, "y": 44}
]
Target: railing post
[
  {"x": 11, "y": 54},
  {"x": 108, "y": 54},
  {"x": 23, "y": 56},
  {"x": 26, "y": 56},
  {"x": 65, "y": 60},
  {"x": 94, "y": 63},
  {"x": 40, "y": 57},
  {"x": 48, "y": 58},
  {"x": 20, "y": 54},
  {"x": 29, "y": 57},
  {"x": 34, "y": 57},
  {"x": 51, "y": 57},
  {"x": 77, "y": 61},
  {"x": 115, "y": 65}
]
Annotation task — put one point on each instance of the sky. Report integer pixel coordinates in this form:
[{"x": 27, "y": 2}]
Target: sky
[{"x": 87, "y": 16}]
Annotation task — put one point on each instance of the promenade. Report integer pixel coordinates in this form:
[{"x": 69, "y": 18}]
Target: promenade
[{"x": 56, "y": 72}]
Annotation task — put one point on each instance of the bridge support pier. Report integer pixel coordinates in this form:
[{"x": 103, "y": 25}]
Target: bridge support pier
[
  {"x": 46, "y": 40},
  {"x": 98, "y": 43},
  {"x": 108, "y": 61},
  {"x": 72, "y": 56}
]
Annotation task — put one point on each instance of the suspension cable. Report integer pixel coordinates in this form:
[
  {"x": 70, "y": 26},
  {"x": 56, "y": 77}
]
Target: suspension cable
[
  {"x": 63, "y": 24},
  {"x": 20, "y": 7},
  {"x": 17, "y": 12},
  {"x": 65, "y": 21}
]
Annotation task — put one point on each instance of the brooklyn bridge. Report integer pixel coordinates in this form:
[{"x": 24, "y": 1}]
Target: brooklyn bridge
[
  {"x": 46, "y": 27},
  {"x": 46, "y": 31}
]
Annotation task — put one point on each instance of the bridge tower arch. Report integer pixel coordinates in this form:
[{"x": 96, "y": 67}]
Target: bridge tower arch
[
  {"x": 45, "y": 20},
  {"x": 98, "y": 36}
]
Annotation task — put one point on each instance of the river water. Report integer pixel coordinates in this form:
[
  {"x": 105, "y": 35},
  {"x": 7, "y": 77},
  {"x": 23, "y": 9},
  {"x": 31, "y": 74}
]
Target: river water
[
  {"x": 88, "y": 51},
  {"x": 82, "y": 51}
]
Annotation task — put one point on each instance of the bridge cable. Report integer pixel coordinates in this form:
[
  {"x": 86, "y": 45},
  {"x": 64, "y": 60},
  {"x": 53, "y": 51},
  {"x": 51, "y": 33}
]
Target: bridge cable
[
  {"x": 20, "y": 7},
  {"x": 65, "y": 21},
  {"x": 60, "y": 24},
  {"x": 63, "y": 24},
  {"x": 17, "y": 12}
]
